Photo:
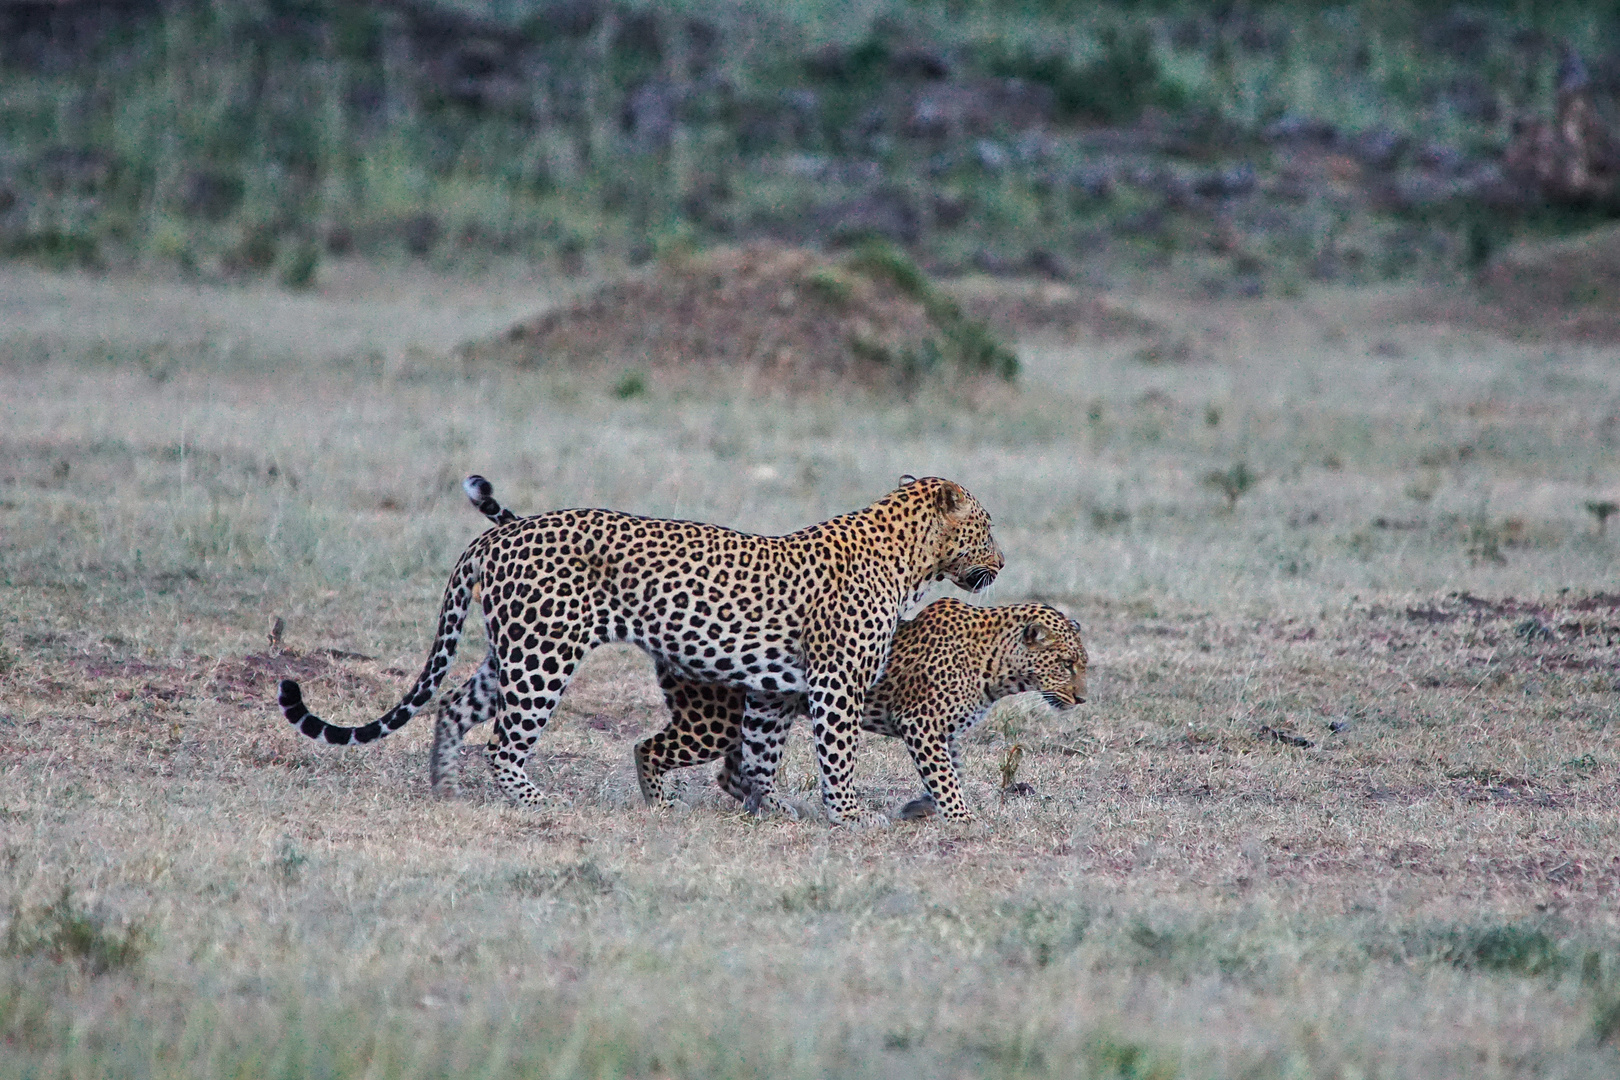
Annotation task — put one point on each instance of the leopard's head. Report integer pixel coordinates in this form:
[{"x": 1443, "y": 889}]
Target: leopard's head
[
  {"x": 1048, "y": 656},
  {"x": 956, "y": 531}
]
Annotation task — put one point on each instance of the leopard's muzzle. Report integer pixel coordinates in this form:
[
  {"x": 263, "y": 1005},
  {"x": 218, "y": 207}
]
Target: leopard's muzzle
[
  {"x": 1061, "y": 701},
  {"x": 975, "y": 578}
]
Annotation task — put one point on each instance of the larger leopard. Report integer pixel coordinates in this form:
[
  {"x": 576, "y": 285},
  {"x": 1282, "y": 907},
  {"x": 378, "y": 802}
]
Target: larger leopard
[
  {"x": 808, "y": 617},
  {"x": 948, "y": 665}
]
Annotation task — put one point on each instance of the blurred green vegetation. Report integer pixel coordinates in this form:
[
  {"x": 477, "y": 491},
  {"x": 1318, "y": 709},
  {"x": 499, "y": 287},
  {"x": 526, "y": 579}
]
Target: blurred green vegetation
[{"x": 1254, "y": 144}]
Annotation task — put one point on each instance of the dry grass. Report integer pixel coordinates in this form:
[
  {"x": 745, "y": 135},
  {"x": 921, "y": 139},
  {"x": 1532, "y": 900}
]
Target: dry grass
[{"x": 1412, "y": 587}]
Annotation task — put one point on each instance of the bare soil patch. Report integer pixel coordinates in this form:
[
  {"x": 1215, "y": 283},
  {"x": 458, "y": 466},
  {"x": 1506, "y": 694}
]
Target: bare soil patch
[
  {"x": 1568, "y": 288},
  {"x": 1564, "y": 292}
]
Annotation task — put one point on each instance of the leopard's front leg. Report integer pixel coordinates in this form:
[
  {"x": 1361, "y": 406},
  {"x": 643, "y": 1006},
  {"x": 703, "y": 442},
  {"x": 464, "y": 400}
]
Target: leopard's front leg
[
  {"x": 842, "y": 662},
  {"x": 939, "y": 763},
  {"x": 835, "y": 707}
]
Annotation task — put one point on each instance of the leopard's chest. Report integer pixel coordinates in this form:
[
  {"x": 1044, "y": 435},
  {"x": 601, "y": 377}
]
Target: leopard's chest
[{"x": 964, "y": 721}]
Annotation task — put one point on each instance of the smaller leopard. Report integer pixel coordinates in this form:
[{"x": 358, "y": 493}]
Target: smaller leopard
[{"x": 947, "y": 667}]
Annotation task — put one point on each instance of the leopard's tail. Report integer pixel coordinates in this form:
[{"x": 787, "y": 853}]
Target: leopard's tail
[
  {"x": 452, "y": 615},
  {"x": 482, "y": 495}
]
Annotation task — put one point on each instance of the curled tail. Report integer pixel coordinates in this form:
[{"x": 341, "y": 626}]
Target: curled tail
[
  {"x": 482, "y": 495},
  {"x": 452, "y": 615}
]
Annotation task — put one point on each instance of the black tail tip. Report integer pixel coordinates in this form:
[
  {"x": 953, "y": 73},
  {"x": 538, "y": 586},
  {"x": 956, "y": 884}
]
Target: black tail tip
[
  {"x": 290, "y": 694},
  {"x": 477, "y": 488}
]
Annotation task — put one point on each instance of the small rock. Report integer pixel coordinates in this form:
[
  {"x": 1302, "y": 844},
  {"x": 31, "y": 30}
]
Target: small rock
[
  {"x": 1463, "y": 34},
  {"x": 1033, "y": 146},
  {"x": 807, "y": 166},
  {"x": 1378, "y": 148},
  {"x": 991, "y": 263},
  {"x": 992, "y": 157},
  {"x": 1473, "y": 97},
  {"x": 806, "y": 102},
  {"x": 210, "y": 194},
  {"x": 919, "y": 808},
  {"x": 919, "y": 62},
  {"x": 950, "y": 211},
  {"x": 1239, "y": 179},
  {"x": 649, "y": 114},
  {"x": 888, "y": 214},
  {"x": 339, "y": 240},
  {"x": 421, "y": 232},
  {"x": 1292, "y": 128},
  {"x": 857, "y": 173},
  {"x": 1094, "y": 180},
  {"x": 1051, "y": 264}
]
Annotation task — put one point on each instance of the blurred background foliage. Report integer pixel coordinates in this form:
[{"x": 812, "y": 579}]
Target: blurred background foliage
[{"x": 1253, "y": 146}]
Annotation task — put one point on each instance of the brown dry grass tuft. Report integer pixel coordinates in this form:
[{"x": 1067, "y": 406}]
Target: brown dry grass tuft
[{"x": 1343, "y": 801}]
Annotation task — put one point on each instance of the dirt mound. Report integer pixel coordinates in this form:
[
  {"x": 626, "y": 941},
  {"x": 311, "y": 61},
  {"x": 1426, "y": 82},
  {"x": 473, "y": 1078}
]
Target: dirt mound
[
  {"x": 798, "y": 318},
  {"x": 1569, "y": 287}
]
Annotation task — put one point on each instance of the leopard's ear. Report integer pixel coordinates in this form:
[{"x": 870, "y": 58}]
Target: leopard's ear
[
  {"x": 950, "y": 497},
  {"x": 1034, "y": 634},
  {"x": 906, "y": 480}
]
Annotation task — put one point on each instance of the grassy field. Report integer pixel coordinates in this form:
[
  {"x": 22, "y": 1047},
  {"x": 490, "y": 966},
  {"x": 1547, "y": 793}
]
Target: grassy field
[
  {"x": 1343, "y": 802},
  {"x": 1261, "y": 146}
]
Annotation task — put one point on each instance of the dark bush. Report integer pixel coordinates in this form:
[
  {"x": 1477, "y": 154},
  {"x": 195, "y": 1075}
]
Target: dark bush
[{"x": 1114, "y": 88}]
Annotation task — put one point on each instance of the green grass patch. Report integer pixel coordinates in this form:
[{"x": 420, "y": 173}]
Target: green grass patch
[
  {"x": 1512, "y": 948},
  {"x": 965, "y": 341},
  {"x": 65, "y": 931}
]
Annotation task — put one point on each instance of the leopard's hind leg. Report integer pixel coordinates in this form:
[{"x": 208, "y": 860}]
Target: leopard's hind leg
[
  {"x": 705, "y": 723},
  {"x": 749, "y": 772},
  {"x": 475, "y": 701},
  {"x": 531, "y": 682}
]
